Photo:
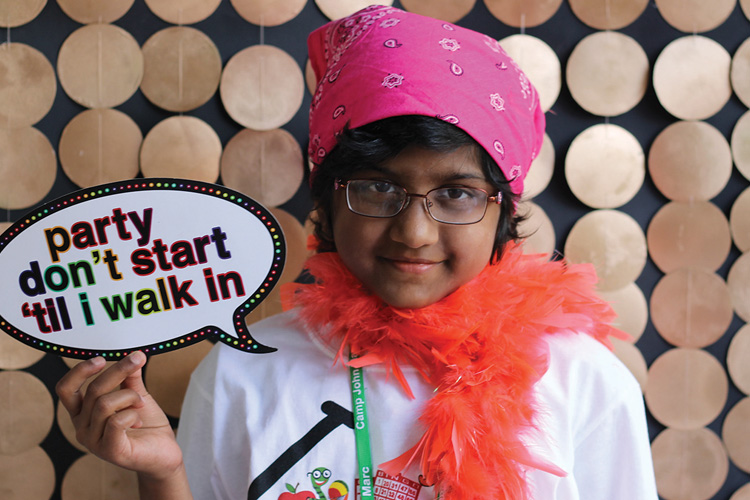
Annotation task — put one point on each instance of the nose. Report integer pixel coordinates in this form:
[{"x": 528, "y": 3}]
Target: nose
[{"x": 413, "y": 226}]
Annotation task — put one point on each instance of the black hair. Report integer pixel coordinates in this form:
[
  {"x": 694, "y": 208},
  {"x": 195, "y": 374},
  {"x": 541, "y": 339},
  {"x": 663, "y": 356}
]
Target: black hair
[{"x": 372, "y": 144}]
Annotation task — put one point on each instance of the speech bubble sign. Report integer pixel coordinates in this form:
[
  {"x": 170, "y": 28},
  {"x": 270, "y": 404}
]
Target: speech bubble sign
[{"x": 150, "y": 265}]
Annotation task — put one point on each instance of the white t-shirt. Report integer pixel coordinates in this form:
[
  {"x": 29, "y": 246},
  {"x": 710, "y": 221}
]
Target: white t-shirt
[{"x": 280, "y": 423}]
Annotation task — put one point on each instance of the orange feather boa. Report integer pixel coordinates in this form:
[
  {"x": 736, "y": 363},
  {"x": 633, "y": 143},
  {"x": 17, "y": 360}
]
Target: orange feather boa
[{"x": 482, "y": 347}]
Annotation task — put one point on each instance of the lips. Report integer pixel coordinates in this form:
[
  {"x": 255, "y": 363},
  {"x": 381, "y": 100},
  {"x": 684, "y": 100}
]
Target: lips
[{"x": 412, "y": 266}]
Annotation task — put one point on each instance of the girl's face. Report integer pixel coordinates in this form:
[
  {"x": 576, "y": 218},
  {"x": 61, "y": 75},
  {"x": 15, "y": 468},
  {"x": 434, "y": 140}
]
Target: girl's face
[{"x": 412, "y": 260}]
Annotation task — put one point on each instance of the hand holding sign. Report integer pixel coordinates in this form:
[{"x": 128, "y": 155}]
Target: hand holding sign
[{"x": 151, "y": 265}]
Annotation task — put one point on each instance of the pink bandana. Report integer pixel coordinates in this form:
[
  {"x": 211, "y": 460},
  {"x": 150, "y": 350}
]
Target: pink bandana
[{"x": 383, "y": 62}]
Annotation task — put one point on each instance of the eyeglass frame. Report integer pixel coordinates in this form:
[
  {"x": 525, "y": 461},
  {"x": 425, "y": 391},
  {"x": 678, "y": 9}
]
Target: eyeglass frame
[{"x": 339, "y": 183}]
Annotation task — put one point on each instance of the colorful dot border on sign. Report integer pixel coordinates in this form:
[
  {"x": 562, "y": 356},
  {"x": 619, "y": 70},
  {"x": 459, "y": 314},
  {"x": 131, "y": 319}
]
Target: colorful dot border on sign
[{"x": 244, "y": 341}]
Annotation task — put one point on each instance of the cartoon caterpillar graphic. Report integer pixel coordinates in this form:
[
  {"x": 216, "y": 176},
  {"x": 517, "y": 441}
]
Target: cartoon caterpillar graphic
[{"x": 338, "y": 490}]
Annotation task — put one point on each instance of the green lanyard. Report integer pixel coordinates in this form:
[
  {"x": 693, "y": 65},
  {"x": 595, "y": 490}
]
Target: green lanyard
[{"x": 361, "y": 433}]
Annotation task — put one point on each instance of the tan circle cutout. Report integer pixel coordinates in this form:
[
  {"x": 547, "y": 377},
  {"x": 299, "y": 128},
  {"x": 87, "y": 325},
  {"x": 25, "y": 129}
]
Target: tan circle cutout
[
  {"x": 268, "y": 12},
  {"x": 607, "y": 73},
  {"x": 310, "y": 81},
  {"x": 336, "y": 9},
  {"x": 15, "y": 355},
  {"x": 28, "y": 169},
  {"x": 689, "y": 235},
  {"x": 609, "y": 15},
  {"x": 14, "y": 13},
  {"x": 740, "y": 72},
  {"x": 100, "y": 146},
  {"x": 29, "y": 475},
  {"x": 739, "y": 221},
  {"x": 65, "y": 423},
  {"x": 689, "y": 464},
  {"x": 112, "y": 482},
  {"x": 26, "y": 414},
  {"x": 695, "y": 16},
  {"x": 446, "y": 10},
  {"x": 691, "y": 77},
  {"x": 539, "y": 62},
  {"x": 736, "y": 434},
  {"x": 266, "y": 166},
  {"x": 605, "y": 166},
  {"x": 95, "y": 11},
  {"x": 296, "y": 245},
  {"x": 4, "y": 226},
  {"x": 613, "y": 242},
  {"x": 100, "y": 66},
  {"x": 29, "y": 85},
  {"x": 737, "y": 356},
  {"x": 537, "y": 230},
  {"x": 741, "y": 144},
  {"x": 183, "y": 11},
  {"x": 742, "y": 494},
  {"x": 541, "y": 170},
  {"x": 745, "y": 4},
  {"x": 523, "y": 13},
  {"x": 184, "y": 147},
  {"x": 738, "y": 282},
  {"x": 691, "y": 307},
  {"x": 686, "y": 389},
  {"x": 181, "y": 68},
  {"x": 168, "y": 374},
  {"x": 631, "y": 307},
  {"x": 690, "y": 161},
  {"x": 262, "y": 87},
  {"x": 632, "y": 358}
]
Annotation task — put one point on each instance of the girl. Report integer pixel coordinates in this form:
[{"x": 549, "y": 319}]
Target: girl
[{"x": 484, "y": 372}]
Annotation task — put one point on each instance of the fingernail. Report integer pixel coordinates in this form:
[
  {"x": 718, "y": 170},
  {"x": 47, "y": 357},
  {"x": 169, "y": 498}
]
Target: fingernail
[
  {"x": 97, "y": 361},
  {"x": 136, "y": 357}
]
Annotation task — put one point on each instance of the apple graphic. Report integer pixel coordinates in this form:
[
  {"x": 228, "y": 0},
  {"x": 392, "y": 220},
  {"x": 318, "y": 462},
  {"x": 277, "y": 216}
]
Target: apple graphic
[{"x": 293, "y": 494}]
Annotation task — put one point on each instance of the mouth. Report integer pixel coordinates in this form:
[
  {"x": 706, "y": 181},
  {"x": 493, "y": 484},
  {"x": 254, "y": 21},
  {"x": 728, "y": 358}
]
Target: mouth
[{"x": 412, "y": 266}]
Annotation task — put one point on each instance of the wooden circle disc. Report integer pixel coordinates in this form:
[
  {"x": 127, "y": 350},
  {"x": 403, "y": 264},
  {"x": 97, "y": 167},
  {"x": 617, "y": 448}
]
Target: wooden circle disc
[
  {"x": 26, "y": 414},
  {"x": 741, "y": 144},
  {"x": 613, "y": 242},
  {"x": 633, "y": 359},
  {"x": 14, "y": 13},
  {"x": 265, "y": 165},
  {"x": 451, "y": 11},
  {"x": 310, "y": 81},
  {"x": 336, "y": 9},
  {"x": 736, "y": 434},
  {"x": 689, "y": 235},
  {"x": 262, "y": 87},
  {"x": 740, "y": 72},
  {"x": 690, "y": 161},
  {"x": 691, "y": 307},
  {"x": 691, "y": 77},
  {"x": 268, "y": 12},
  {"x": 686, "y": 388},
  {"x": 100, "y": 65},
  {"x": 689, "y": 464},
  {"x": 742, "y": 493},
  {"x": 695, "y": 16},
  {"x": 296, "y": 245},
  {"x": 523, "y": 13},
  {"x": 95, "y": 11},
  {"x": 28, "y": 169},
  {"x": 111, "y": 482},
  {"x": 29, "y": 85},
  {"x": 4, "y": 226},
  {"x": 15, "y": 355},
  {"x": 631, "y": 307},
  {"x": 183, "y": 11},
  {"x": 29, "y": 475},
  {"x": 541, "y": 170},
  {"x": 168, "y": 374},
  {"x": 100, "y": 146},
  {"x": 609, "y": 15},
  {"x": 737, "y": 356},
  {"x": 539, "y": 62},
  {"x": 739, "y": 221},
  {"x": 536, "y": 229},
  {"x": 607, "y": 73},
  {"x": 65, "y": 423},
  {"x": 605, "y": 166},
  {"x": 184, "y": 147},
  {"x": 181, "y": 68},
  {"x": 745, "y": 5},
  {"x": 738, "y": 282}
]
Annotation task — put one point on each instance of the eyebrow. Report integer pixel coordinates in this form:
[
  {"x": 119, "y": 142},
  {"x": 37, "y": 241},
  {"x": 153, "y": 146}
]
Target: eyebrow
[{"x": 451, "y": 177}]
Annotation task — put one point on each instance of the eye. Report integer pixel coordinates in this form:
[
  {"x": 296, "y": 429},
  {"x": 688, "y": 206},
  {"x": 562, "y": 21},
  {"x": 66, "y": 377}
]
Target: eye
[
  {"x": 316, "y": 474},
  {"x": 380, "y": 186},
  {"x": 326, "y": 473},
  {"x": 456, "y": 194}
]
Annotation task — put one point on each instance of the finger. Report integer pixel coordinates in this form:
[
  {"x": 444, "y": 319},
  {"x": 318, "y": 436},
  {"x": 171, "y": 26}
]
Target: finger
[
  {"x": 109, "y": 381},
  {"x": 68, "y": 389},
  {"x": 115, "y": 432},
  {"x": 134, "y": 381},
  {"x": 108, "y": 407}
]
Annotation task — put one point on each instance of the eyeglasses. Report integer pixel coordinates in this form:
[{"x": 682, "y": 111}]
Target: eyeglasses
[{"x": 450, "y": 205}]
